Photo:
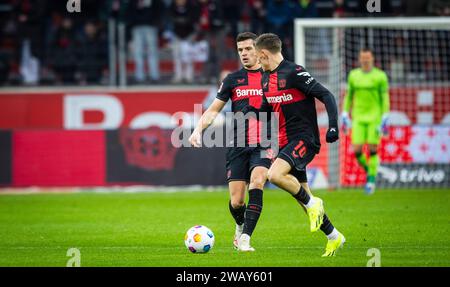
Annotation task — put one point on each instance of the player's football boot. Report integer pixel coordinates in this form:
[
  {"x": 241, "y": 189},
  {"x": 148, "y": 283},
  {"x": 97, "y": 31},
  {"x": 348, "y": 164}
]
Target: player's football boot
[
  {"x": 244, "y": 244},
  {"x": 369, "y": 188},
  {"x": 315, "y": 214},
  {"x": 334, "y": 245},
  {"x": 237, "y": 234}
]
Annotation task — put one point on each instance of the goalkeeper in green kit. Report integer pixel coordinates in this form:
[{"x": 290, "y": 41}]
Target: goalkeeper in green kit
[{"x": 367, "y": 100}]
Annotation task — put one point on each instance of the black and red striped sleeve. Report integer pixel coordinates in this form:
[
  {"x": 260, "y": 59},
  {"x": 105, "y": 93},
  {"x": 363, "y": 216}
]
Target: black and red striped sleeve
[{"x": 225, "y": 90}]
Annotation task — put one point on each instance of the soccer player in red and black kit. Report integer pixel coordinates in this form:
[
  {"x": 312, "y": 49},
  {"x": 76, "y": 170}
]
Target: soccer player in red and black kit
[
  {"x": 290, "y": 91},
  {"x": 247, "y": 163}
]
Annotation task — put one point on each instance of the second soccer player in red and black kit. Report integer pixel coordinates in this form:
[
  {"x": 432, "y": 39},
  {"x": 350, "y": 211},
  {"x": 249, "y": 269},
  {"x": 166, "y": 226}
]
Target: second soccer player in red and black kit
[
  {"x": 290, "y": 91},
  {"x": 247, "y": 160}
]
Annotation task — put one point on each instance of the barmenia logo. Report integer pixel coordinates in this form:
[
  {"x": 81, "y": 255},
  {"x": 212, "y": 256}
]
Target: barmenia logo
[{"x": 280, "y": 99}]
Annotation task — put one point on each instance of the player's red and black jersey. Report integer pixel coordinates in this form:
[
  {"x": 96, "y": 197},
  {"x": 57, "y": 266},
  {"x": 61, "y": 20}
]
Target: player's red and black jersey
[
  {"x": 243, "y": 88},
  {"x": 291, "y": 91}
]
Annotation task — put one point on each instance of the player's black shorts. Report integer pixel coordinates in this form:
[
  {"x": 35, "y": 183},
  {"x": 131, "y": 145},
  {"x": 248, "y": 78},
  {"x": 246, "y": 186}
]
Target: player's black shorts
[
  {"x": 298, "y": 154},
  {"x": 242, "y": 160}
]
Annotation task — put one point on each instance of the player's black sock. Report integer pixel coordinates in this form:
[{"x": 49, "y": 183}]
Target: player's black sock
[
  {"x": 253, "y": 211},
  {"x": 326, "y": 226},
  {"x": 237, "y": 213},
  {"x": 302, "y": 196}
]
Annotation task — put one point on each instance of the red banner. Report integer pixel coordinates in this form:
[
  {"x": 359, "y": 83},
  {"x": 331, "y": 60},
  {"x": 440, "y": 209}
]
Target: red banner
[{"x": 95, "y": 110}]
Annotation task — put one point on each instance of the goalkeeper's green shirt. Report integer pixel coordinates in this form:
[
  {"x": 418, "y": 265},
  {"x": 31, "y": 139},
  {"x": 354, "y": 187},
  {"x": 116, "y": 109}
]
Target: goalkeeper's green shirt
[{"x": 367, "y": 95}]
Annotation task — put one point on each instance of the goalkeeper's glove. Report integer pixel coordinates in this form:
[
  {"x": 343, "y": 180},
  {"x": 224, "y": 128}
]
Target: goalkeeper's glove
[
  {"x": 346, "y": 122},
  {"x": 384, "y": 127}
]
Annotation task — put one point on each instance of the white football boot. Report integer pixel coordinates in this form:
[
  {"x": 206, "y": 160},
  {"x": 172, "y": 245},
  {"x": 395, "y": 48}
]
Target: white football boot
[
  {"x": 237, "y": 234},
  {"x": 244, "y": 243}
]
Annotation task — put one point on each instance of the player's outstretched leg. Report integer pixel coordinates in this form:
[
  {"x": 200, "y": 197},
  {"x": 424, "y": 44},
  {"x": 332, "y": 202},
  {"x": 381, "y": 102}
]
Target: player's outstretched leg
[
  {"x": 279, "y": 174},
  {"x": 335, "y": 239},
  {"x": 372, "y": 172},
  {"x": 237, "y": 207},
  {"x": 254, "y": 207},
  {"x": 314, "y": 208}
]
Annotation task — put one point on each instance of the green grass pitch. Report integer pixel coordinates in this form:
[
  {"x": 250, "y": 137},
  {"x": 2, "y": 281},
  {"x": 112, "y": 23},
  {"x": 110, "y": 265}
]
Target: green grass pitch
[{"x": 409, "y": 227}]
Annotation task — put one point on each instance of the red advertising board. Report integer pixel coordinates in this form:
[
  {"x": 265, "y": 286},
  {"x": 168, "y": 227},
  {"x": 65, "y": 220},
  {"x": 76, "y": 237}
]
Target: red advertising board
[
  {"x": 109, "y": 109},
  {"x": 93, "y": 109},
  {"x": 58, "y": 158}
]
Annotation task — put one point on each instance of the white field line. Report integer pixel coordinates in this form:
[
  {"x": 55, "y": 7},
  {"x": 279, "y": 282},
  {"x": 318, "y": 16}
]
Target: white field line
[
  {"x": 111, "y": 189},
  {"x": 221, "y": 248}
]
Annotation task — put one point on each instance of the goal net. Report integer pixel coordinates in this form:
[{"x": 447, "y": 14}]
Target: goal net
[{"x": 415, "y": 54}]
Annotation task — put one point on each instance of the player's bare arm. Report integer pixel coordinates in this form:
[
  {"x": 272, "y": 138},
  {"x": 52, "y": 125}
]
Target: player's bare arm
[{"x": 205, "y": 121}]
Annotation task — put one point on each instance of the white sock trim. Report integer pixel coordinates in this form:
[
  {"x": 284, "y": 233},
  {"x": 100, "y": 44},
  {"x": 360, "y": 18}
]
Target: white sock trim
[
  {"x": 311, "y": 202},
  {"x": 333, "y": 235}
]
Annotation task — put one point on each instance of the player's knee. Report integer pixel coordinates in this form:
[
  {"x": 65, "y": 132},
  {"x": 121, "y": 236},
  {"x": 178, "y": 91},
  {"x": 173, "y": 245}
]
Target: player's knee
[
  {"x": 373, "y": 150},
  {"x": 358, "y": 150},
  {"x": 237, "y": 202},
  {"x": 258, "y": 181},
  {"x": 274, "y": 176}
]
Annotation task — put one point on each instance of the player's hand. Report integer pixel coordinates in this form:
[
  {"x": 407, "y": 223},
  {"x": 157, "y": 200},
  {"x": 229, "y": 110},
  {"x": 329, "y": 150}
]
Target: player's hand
[
  {"x": 384, "y": 127},
  {"x": 346, "y": 122},
  {"x": 196, "y": 138},
  {"x": 332, "y": 134}
]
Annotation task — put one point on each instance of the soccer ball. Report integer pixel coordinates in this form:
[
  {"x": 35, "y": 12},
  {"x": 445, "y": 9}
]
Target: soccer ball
[{"x": 199, "y": 239}]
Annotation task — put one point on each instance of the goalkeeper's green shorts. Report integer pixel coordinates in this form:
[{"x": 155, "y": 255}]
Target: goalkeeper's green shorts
[{"x": 363, "y": 133}]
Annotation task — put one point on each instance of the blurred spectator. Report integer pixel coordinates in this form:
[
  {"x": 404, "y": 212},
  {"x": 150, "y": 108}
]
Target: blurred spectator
[
  {"x": 416, "y": 7},
  {"x": 145, "y": 17},
  {"x": 90, "y": 55},
  {"x": 211, "y": 28},
  {"x": 29, "y": 16},
  {"x": 279, "y": 19},
  {"x": 257, "y": 16},
  {"x": 438, "y": 7},
  {"x": 184, "y": 17},
  {"x": 232, "y": 15},
  {"x": 115, "y": 9},
  {"x": 320, "y": 38},
  {"x": 397, "y": 7},
  {"x": 61, "y": 56},
  {"x": 305, "y": 9},
  {"x": 339, "y": 9}
]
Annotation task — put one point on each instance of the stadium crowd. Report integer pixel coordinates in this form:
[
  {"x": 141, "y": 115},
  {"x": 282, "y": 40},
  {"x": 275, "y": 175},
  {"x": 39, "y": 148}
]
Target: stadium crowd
[{"x": 168, "y": 41}]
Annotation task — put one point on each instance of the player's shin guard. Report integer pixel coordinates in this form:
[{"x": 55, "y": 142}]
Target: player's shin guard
[
  {"x": 361, "y": 157},
  {"x": 237, "y": 213},
  {"x": 253, "y": 211},
  {"x": 373, "y": 166}
]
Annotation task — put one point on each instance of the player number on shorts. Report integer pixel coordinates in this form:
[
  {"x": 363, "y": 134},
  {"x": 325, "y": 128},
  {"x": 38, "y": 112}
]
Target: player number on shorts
[{"x": 299, "y": 150}]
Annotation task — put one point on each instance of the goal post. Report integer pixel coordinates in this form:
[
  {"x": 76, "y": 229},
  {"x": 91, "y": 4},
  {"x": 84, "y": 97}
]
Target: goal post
[{"x": 415, "y": 54}]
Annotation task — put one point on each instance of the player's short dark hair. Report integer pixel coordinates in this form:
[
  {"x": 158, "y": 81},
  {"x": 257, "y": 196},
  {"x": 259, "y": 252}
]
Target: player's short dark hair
[
  {"x": 268, "y": 41},
  {"x": 245, "y": 36},
  {"x": 366, "y": 49}
]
